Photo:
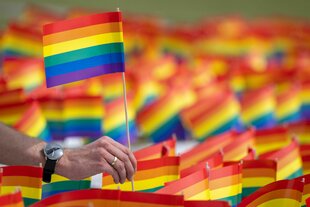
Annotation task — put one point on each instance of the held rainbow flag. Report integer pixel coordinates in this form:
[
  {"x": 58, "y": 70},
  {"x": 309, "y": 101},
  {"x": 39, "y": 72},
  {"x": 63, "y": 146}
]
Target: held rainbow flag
[{"x": 83, "y": 47}]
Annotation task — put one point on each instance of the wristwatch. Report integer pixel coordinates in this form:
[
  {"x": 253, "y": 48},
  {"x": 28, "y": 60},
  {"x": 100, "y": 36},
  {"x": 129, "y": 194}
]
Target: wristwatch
[{"x": 52, "y": 152}]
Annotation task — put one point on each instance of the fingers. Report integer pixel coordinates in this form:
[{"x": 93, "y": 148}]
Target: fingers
[
  {"x": 123, "y": 165},
  {"x": 110, "y": 170},
  {"x": 126, "y": 151}
]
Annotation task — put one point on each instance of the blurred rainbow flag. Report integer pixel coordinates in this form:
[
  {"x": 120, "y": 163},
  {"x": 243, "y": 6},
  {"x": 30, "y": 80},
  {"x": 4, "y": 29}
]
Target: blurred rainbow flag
[
  {"x": 151, "y": 175},
  {"x": 306, "y": 192},
  {"x": 83, "y": 47},
  {"x": 27, "y": 178},
  {"x": 12, "y": 96},
  {"x": 305, "y": 100},
  {"x": 13, "y": 199},
  {"x": 33, "y": 123},
  {"x": 10, "y": 114},
  {"x": 279, "y": 193}
]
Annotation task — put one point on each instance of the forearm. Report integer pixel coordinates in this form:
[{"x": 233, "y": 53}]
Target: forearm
[{"x": 19, "y": 149}]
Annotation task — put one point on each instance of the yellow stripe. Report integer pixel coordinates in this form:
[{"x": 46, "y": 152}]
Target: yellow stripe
[
  {"x": 59, "y": 178},
  {"x": 257, "y": 110},
  {"x": 256, "y": 181},
  {"x": 204, "y": 195},
  {"x": 22, "y": 45},
  {"x": 305, "y": 96},
  {"x": 37, "y": 127},
  {"x": 157, "y": 119},
  {"x": 10, "y": 119},
  {"x": 263, "y": 148},
  {"x": 73, "y": 113},
  {"x": 281, "y": 202},
  {"x": 217, "y": 119},
  {"x": 304, "y": 197},
  {"x": 114, "y": 120},
  {"x": 143, "y": 184},
  {"x": 289, "y": 169},
  {"x": 225, "y": 192},
  {"x": 288, "y": 107},
  {"x": 27, "y": 192},
  {"x": 80, "y": 43},
  {"x": 53, "y": 115}
]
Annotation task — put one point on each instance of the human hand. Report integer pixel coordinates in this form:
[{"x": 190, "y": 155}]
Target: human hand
[{"x": 97, "y": 157}]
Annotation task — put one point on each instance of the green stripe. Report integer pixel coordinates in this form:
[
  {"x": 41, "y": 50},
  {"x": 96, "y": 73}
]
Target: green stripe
[
  {"x": 66, "y": 185},
  {"x": 232, "y": 200},
  {"x": 248, "y": 191},
  {"x": 151, "y": 190},
  {"x": 83, "y": 54},
  {"x": 295, "y": 174},
  {"x": 291, "y": 117},
  {"x": 29, "y": 201}
]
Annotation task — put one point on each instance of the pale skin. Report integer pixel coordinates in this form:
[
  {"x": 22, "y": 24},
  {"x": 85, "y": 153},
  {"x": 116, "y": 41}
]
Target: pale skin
[{"x": 91, "y": 159}]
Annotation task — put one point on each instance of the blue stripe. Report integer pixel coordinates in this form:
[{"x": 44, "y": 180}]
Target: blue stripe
[
  {"x": 119, "y": 133},
  {"x": 290, "y": 118},
  {"x": 295, "y": 174},
  {"x": 264, "y": 121},
  {"x": 84, "y": 64}
]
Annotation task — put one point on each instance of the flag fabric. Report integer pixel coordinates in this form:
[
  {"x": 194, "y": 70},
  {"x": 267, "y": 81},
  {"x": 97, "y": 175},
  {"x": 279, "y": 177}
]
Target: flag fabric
[
  {"x": 27, "y": 178},
  {"x": 213, "y": 161},
  {"x": 238, "y": 149},
  {"x": 112, "y": 86},
  {"x": 258, "y": 107},
  {"x": 305, "y": 100},
  {"x": 211, "y": 116},
  {"x": 289, "y": 163},
  {"x": 301, "y": 129},
  {"x": 83, "y": 47},
  {"x": 251, "y": 154},
  {"x": 204, "y": 149},
  {"x": 33, "y": 123},
  {"x": 82, "y": 198},
  {"x": 206, "y": 204},
  {"x": 151, "y": 175},
  {"x": 305, "y": 156},
  {"x": 268, "y": 140},
  {"x": 13, "y": 199},
  {"x": 12, "y": 96},
  {"x": 61, "y": 184},
  {"x": 305, "y": 179},
  {"x": 193, "y": 187},
  {"x": 82, "y": 116},
  {"x": 155, "y": 151},
  {"x": 256, "y": 174},
  {"x": 226, "y": 184},
  {"x": 142, "y": 199},
  {"x": 288, "y": 106},
  {"x": 280, "y": 193},
  {"x": 11, "y": 113}
]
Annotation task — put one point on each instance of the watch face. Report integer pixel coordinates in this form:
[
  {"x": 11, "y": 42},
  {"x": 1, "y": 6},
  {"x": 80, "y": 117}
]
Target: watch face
[{"x": 53, "y": 151}]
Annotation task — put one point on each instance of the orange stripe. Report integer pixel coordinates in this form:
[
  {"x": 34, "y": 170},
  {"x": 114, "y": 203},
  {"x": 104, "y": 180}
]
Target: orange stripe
[
  {"x": 147, "y": 174},
  {"x": 287, "y": 159},
  {"x": 86, "y": 202},
  {"x": 140, "y": 204},
  {"x": 258, "y": 172},
  {"x": 306, "y": 188},
  {"x": 19, "y": 204},
  {"x": 224, "y": 182},
  {"x": 21, "y": 181},
  {"x": 82, "y": 32},
  {"x": 292, "y": 194},
  {"x": 195, "y": 189}
]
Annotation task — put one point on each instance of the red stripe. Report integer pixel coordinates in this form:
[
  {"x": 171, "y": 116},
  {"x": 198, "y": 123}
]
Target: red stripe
[
  {"x": 243, "y": 138},
  {"x": 11, "y": 199},
  {"x": 30, "y": 171},
  {"x": 282, "y": 152},
  {"x": 259, "y": 164},
  {"x": 79, "y": 195},
  {"x": 82, "y": 22},
  {"x": 206, "y": 204},
  {"x": 34, "y": 110},
  {"x": 271, "y": 131},
  {"x": 161, "y": 162},
  {"x": 225, "y": 171},
  {"x": 140, "y": 197}
]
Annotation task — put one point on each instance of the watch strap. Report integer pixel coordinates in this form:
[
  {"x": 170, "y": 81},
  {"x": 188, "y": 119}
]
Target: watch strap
[{"x": 48, "y": 170}]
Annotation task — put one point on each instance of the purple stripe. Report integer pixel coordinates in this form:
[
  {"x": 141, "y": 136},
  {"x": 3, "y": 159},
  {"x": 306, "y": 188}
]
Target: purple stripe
[{"x": 84, "y": 74}]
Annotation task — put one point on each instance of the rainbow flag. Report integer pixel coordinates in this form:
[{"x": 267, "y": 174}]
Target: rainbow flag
[
  {"x": 268, "y": 140},
  {"x": 83, "y": 47},
  {"x": 82, "y": 198},
  {"x": 205, "y": 149},
  {"x": 160, "y": 119},
  {"x": 33, "y": 123},
  {"x": 114, "y": 124},
  {"x": 305, "y": 100},
  {"x": 289, "y": 163},
  {"x": 61, "y": 184},
  {"x": 211, "y": 116},
  {"x": 251, "y": 154},
  {"x": 256, "y": 174},
  {"x": 206, "y": 204},
  {"x": 112, "y": 86},
  {"x": 155, "y": 151},
  {"x": 301, "y": 129},
  {"x": 82, "y": 116},
  {"x": 238, "y": 149},
  {"x": 140, "y": 199},
  {"x": 21, "y": 40},
  {"x": 12, "y": 200},
  {"x": 12, "y": 96},
  {"x": 279, "y": 193},
  {"x": 257, "y": 108},
  {"x": 10, "y": 114},
  {"x": 3, "y": 82},
  {"x": 306, "y": 192},
  {"x": 288, "y": 106},
  {"x": 151, "y": 175},
  {"x": 213, "y": 161},
  {"x": 305, "y": 156},
  {"x": 193, "y": 187},
  {"x": 226, "y": 184},
  {"x": 27, "y": 178}
]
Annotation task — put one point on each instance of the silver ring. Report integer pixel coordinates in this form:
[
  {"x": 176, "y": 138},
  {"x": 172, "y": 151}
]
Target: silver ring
[{"x": 114, "y": 161}]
